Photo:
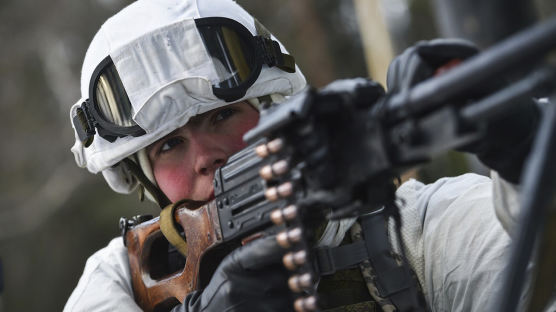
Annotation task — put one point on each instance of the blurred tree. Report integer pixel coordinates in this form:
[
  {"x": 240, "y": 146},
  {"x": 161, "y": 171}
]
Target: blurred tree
[
  {"x": 545, "y": 8},
  {"x": 322, "y": 35},
  {"x": 376, "y": 37},
  {"x": 483, "y": 22},
  {"x": 54, "y": 215}
]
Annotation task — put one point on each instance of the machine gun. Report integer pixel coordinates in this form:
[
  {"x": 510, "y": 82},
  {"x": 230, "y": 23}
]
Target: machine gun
[{"x": 332, "y": 154}]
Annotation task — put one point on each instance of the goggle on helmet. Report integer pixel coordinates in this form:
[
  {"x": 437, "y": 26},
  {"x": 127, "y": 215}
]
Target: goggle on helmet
[{"x": 237, "y": 59}]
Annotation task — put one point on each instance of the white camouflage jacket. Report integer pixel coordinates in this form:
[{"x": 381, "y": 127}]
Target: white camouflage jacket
[{"x": 455, "y": 232}]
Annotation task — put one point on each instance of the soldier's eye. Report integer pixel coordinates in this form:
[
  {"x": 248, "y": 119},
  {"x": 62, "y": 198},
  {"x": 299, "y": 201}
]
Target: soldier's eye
[
  {"x": 223, "y": 114},
  {"x": 170, "y": 143}
]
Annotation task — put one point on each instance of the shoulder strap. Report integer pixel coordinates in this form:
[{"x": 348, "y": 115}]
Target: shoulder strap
[
  {"x": 387, "y": 271},
  {"x": 168, "y": 227},
  {"x": 390, "y": 280}
]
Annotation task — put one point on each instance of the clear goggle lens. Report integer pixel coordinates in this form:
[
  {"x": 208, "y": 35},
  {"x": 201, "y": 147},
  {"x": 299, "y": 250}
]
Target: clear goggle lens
[
  {"x": 231, "y": 54},
  {"x": 111, "y": 98}
]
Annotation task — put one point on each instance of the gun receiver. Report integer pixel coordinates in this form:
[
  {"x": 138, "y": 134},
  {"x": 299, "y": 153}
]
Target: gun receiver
[
  {"x": 329, "y": 154},
  {"x": 162, "y": 276}
]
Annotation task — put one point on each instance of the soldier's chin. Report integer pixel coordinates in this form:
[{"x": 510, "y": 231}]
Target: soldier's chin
[
  {"x": 211, "y": 196},
  {"x": 206, "y": 198}
]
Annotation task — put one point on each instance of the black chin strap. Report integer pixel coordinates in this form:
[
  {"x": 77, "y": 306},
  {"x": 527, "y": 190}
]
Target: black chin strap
[{"x": 136, "y": 171}]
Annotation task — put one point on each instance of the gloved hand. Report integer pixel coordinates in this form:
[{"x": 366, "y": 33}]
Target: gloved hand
[
  {"x": 251, "y": 278},
  {"x": 507, "y": 140},
  {"x": 422, "y": 61}
]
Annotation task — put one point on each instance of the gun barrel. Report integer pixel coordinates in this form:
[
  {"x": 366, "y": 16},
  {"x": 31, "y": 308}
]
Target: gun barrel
[{"x": 524, "y": 47}]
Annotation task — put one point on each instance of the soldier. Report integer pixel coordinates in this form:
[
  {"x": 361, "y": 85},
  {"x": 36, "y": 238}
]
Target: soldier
[{"x": 163, "y": 106}]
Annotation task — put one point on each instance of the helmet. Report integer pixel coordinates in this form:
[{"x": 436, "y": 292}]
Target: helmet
[{"x": 163, "y": 62}]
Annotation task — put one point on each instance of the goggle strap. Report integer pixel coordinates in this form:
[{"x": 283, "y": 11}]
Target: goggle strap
[
  {"x": 83, "y": 123},
  {"x": 272, "y": 54},
  {"x": 108, "y": 135},
  {"x": 288, "y": 63}
]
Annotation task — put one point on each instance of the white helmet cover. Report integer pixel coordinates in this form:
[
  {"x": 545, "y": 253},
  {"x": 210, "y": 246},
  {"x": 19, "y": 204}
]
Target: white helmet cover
[{"x": 167, "y": 74}]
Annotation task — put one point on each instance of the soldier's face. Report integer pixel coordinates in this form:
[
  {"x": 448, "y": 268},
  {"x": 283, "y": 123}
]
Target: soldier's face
[{"x": 184, "y": 161}]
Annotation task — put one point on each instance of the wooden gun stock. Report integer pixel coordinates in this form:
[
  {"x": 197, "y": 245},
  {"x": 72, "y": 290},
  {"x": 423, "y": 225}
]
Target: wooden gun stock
[
  {"x": 212, "y": 231},
  {"x": 156, "y": 289}
]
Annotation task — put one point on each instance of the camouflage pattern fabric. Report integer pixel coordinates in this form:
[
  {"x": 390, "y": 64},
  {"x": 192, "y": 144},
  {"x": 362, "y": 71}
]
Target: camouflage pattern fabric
[
  {"x": 354, "y": 290},
  {"x": 369, "y": 306},
  {"x": 345, "y": 291},
  {"x": 369, "y": 274}
]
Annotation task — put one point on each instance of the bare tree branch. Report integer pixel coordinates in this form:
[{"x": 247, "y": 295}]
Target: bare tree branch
[{"x": 39, "y": 207}]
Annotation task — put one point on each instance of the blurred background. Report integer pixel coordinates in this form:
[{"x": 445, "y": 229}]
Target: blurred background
[{"x": 54, "y": 215}]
